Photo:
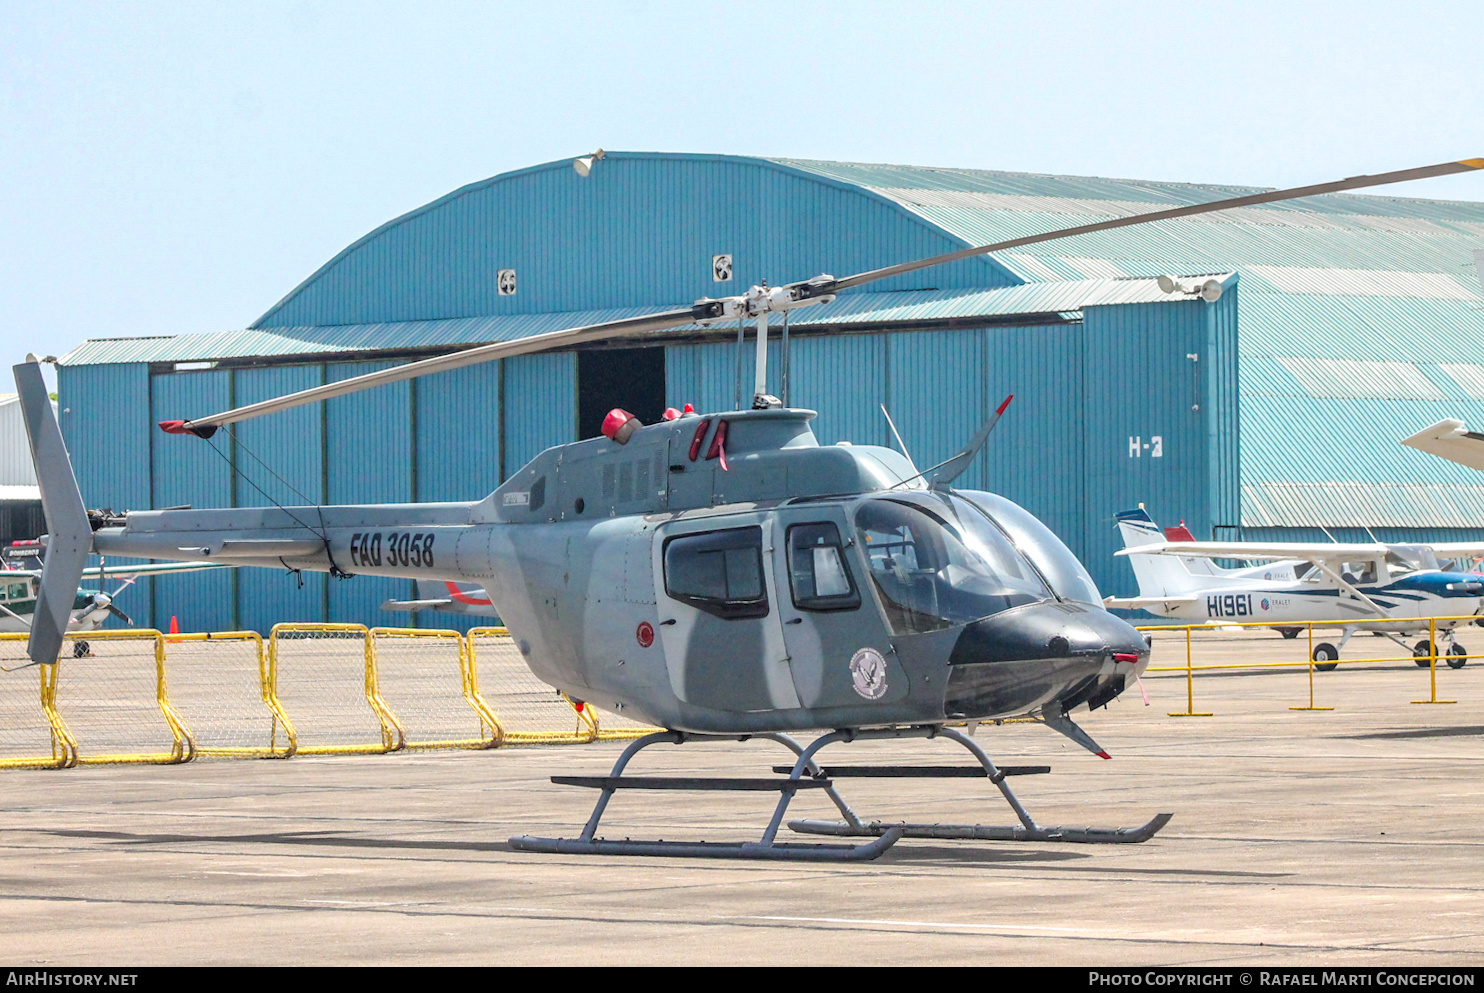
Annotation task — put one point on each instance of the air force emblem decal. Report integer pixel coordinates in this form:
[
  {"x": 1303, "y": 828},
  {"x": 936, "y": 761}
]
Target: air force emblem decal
[{"x": 868, "y": 673}]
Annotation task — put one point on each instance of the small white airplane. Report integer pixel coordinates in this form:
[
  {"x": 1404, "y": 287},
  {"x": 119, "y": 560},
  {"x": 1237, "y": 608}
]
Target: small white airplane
[
  {"x": 1389, "y": 589},
  {"x": 448, "y": 598},
  {"x": 91, "y": 607}
]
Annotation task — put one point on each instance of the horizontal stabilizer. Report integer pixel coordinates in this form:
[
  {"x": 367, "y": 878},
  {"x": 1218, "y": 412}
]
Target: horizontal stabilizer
[
  {"x": 1145, "y": 602},
  {"x": 415, "y": 605}
]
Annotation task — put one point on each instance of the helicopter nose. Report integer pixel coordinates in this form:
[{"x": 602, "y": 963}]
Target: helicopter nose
[
  {"x": 1024, "y": 658},
  {"x": 1048, "y": 631}
]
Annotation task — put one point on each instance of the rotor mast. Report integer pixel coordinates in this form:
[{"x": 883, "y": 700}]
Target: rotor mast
[{"x": 761, "y": 302}]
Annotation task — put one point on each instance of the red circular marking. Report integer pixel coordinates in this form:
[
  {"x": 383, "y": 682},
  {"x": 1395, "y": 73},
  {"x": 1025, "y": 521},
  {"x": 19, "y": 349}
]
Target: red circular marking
[{"x": 645, "y": 634}]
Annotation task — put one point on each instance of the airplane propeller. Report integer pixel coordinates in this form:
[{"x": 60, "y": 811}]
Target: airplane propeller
[
  {"x": 102, "y": 601},
  {"x": 760, "y": 301}
]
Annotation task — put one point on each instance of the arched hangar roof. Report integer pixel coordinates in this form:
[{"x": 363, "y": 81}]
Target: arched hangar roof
[{"x": 640, "y": 231}]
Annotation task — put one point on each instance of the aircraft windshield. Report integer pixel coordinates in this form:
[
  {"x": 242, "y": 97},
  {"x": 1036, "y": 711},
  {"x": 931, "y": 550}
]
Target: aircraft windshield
[
  {"x": 1410, "y": 558},
  {"x": 937, "y": 562},
  {"x": 1055, "y": 561}
]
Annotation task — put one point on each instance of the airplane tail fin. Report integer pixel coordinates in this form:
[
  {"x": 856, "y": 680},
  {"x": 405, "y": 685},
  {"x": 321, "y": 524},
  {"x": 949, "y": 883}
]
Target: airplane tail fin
[
  {"x": 1159, "y": 575},
  {"x": 70, "y": 536}
]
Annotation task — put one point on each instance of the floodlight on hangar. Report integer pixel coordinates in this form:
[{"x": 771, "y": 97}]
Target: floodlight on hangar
[
  {"x": 1209, "y": 291},
  {"x": 583, "y": 165}
]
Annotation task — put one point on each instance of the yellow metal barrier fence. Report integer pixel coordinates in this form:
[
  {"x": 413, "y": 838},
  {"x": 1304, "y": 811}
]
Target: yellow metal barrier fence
[
  {"x": 220, "y": 687},
  {"x": 324, "y": 679},
  {"x": 1425, "y": 654},
  {"x": 427, "y": 678},
  {"x": 32, "y": 736},
  {"x": 529, "y": 711},
  {"x": 113, "y": 702},
  {"x": 616, "y": 727},
  {"x": 310, "y": 689}
]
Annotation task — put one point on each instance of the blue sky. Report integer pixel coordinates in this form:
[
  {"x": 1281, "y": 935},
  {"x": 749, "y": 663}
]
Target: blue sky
[{"x": 171, "y": 168}]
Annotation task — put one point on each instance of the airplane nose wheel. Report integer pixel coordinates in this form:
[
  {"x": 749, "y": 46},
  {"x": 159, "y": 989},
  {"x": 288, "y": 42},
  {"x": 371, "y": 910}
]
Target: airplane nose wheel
[
  {"x": 1457, "y": 656},
  {"x": 81, "y": 650},
  {"x": 1326, "y": 657}
]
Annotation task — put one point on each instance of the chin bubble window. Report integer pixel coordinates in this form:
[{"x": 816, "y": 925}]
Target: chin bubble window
[
  {"x": 720, "y": 572},
  {"x": 817, "y": 572}
]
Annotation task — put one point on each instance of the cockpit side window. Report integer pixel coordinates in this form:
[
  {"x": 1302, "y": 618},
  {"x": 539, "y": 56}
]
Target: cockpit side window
[
  {"x": 817, "y": 571},
  {"x": 720, "y": 572},
  {"x": 1358, "y": 572}
]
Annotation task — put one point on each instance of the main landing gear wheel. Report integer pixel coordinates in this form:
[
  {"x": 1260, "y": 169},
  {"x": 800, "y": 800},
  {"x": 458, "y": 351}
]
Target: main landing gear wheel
[
  {"x": 1326, "y": 656},
  {"x": 81, "y": 650},
  {"x": 1423, "y": 652},
  {"x": 1290, "y": 633},
  {"x": 1457, "y": 657}
]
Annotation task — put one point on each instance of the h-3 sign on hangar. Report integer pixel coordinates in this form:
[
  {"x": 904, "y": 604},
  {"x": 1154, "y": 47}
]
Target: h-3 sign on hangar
[{"x": 1260, "y": 392}]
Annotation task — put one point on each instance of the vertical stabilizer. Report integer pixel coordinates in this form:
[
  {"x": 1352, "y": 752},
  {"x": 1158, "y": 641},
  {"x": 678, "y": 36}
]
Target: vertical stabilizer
[
  {"x": 70, "y": 537},
  {"x": 1159, "y": 575}
]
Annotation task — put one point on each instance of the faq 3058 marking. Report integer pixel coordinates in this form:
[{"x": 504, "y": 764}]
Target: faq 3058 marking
[{"x": 403, "y": 548}]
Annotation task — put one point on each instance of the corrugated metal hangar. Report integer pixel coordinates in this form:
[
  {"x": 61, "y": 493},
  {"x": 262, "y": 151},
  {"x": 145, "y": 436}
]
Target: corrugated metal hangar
[{"x": 1345, "y": 323}]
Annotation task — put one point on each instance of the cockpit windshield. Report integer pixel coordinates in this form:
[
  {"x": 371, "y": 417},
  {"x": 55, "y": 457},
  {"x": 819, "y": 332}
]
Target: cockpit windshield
[
  {"x": 936, "y": 562},
  {"x": 1410, "y": 558},
  {"x": 1054, "y": 560}
]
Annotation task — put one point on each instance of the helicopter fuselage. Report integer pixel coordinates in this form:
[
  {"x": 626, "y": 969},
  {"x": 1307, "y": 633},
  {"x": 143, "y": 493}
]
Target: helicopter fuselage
[{"x": 757, "y": 582}]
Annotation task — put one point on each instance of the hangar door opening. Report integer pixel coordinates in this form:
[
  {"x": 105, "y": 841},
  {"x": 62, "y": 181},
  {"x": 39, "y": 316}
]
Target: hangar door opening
[{"x": 631, "y": 378}]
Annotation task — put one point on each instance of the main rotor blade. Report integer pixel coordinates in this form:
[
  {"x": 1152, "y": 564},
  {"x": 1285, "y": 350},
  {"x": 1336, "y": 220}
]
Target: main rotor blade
[
  {"x": 1353, "y": 183},
  {"x": 206, "y": 426}
]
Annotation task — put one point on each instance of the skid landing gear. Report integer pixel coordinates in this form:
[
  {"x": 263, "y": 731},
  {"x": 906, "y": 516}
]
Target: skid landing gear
[{"x": 884, "y": 834}]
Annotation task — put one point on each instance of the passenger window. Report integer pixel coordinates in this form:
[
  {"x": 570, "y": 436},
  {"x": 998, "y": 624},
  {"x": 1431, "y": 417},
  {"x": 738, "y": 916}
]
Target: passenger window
[
  {"x": 817, "y": 571},
  {"x": 720, "y": 572},
  {"x": 20, "y": 591}
]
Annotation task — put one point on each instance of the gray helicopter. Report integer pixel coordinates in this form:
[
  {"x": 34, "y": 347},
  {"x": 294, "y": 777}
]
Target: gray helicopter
[{"x": 722, "y": 576}]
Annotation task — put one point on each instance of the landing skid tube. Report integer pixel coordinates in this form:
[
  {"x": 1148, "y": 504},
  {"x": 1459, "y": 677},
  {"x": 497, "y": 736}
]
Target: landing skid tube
[{"x": 884, "y": 834}]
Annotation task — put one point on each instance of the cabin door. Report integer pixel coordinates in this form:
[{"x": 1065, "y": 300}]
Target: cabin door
[
  {"x": 719, "y": 614},
  {"x": 840, "y": 651}
]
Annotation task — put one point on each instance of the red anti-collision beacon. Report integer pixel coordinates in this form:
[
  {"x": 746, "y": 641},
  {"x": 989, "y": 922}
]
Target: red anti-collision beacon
[{"x": 620, "y": 425}]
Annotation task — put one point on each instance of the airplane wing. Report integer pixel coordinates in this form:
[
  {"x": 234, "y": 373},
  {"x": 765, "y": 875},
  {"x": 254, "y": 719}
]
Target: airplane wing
[
  {"x": 1262, "y": 550},
  {"x": 1457, "y": 549},
  {"x": 1449, "y": 439},
  {"x": 1460, "y": 552}
]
